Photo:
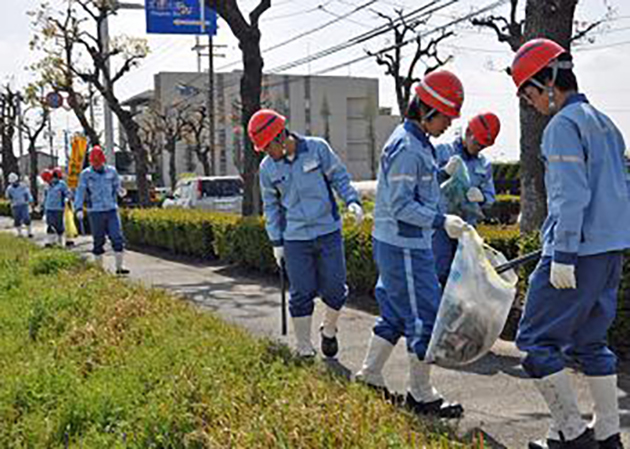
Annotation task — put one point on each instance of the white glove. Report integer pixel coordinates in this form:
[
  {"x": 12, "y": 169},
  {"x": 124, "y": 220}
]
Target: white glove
[
  {"x": 455, "y": 226},
  {"x": 122, "y": 192},
  {"x": 356, "y": 210},
  {"x": 452, "y": 165},
  {"x": 562, "y": 275},
  {"x": 79, "y": 215},
  {"x": 278, "y": 254},
  {"x": 475, "y": 195}
]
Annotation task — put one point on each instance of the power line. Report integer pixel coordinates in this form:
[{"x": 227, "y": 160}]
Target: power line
[
  {"x": 419, "y": 35},
  {"x": 363, "y": 37},
  {"x": 296, "y": 13}
]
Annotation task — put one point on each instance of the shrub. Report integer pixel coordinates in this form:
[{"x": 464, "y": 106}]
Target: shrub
[
  {"x": 504, "y": 211},
  {"x": 5, "y": 208}
]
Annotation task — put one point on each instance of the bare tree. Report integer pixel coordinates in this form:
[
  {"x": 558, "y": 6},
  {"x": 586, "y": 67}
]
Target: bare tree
[
  {"x": 196, "y": 132},
  {"x": 171, "y": 124},
  {"x": 54, "y": 67},
  {"x": 248, "y": 35},
  {"x": 34, "y": 121},
  {"x": 8, "y": 124},
  {"x": 74, "y": 23},
  {"x": 392, "y": 60},
  {"x": 553, "y": 19}
]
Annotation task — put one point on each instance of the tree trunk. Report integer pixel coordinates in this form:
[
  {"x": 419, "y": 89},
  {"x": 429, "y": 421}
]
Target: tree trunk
[
  {"x": 34, "y": 169},
  {"x": 203, "y": 159},
  {"x": 552, "y": 19},
  {"x": 131, "y": 128},
  {"x": 90, "y": 133},
  {"x": 250, "y": 98},
  {"x": 9, "y": 161},
  {"x": 172, "y": 163}
]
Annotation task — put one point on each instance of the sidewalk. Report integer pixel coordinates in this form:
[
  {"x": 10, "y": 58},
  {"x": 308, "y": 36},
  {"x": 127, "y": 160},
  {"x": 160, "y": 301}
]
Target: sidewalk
[{"x": 497, "y": 396}]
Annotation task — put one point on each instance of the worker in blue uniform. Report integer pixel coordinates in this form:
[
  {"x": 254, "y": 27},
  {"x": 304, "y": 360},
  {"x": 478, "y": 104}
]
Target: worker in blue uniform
[
  {"x": 55, "y": 197},
  {"x": 20, "y": 197},
  {"x": 298, "y": 178},
  {"x": 99, "y": 188},
  {"x": 406, "y": 214},
  {"x": 572, "y": 296},
  {"x": 481, "y": 133}
]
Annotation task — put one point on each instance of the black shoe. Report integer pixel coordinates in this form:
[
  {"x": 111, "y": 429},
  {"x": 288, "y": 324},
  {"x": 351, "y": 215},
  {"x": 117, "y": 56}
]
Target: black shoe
[
  {"x": 330, "y": 347},
  {"x": 612, "y": 442},
  {"x": 396, "y": 399},
  {"x": 69, "y": 243},
  {"x": 122, "y": 272},
  {"x": 438, "y": 408},
  {"x": 584, "y": 441},
  {"x": 48, "y": 245},
  {"x": 30, "y": 236}
]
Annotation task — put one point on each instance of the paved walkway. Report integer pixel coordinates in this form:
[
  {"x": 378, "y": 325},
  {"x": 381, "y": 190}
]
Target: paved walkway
[{"x": 497, "y": 396}]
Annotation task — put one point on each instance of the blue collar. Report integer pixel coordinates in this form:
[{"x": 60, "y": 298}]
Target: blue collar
[
  {"x": 411, "y": 128},
  {"x": 575, "y": 98},
  {"x": 461, "y": 149}
]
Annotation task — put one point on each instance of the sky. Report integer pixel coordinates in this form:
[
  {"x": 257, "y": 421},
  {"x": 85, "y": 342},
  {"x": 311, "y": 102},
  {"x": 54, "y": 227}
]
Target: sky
[{"x": 477, "y": 57}]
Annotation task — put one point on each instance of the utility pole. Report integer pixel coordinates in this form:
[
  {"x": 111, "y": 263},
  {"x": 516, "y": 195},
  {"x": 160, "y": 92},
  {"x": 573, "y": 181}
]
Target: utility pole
[
  {"x": 108, "y": 117},
  {"x": 211, "y": 105},
  {"x": 18, "y": 107}
]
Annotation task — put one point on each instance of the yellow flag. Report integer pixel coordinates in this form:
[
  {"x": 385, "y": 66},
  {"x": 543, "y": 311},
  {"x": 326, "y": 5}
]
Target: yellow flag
[{"x": 75, "y": 164}]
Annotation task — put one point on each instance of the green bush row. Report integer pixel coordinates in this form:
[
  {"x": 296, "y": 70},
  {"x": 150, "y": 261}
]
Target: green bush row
[
  {"x": 504, "y": 211},
  {"x": 243, "y": 241},
  {"x": 5, "y": 208}
]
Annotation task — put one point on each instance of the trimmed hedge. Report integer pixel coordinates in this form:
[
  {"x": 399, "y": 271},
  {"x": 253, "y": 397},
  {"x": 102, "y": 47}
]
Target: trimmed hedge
[
  {"x": 504, "y": 211},
  {"x": 506, "y": 177},
  {"x": 5, "y": 208}
]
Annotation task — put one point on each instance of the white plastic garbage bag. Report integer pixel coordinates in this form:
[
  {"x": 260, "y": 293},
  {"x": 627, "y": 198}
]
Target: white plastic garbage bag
[{"x": 474, "y": 306}]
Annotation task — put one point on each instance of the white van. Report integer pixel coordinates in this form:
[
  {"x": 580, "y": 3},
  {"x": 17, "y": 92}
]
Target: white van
[{"x": 217, "y": 193}]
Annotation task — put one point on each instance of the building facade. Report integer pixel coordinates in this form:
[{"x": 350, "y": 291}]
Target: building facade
[{"x": 343, "y": 110}]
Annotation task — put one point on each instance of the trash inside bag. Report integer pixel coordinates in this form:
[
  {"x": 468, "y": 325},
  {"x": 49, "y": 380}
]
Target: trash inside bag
[
  {"x": 474, "y": 306},
  {"x": 453, "y": 192},
  {"x": 68, "y": 217}
]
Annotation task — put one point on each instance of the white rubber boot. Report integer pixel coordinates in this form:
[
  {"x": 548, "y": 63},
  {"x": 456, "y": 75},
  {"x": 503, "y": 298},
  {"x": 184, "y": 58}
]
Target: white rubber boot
[
  {"x": 420, "y": 380},
  {"x": 329, "y": 324},
  {"x": 30, "y": 230},
  {"x": 557, "y": 391},
  {"x": 371, "y": 371},
  {"x": 302, "y": 328},
  {"x": 19, "y": 231},
  {"x": 119, "y": 258},
  {"x": 61, "y": 239},
  {"x": 98, "y": 260},
  {"x": 605, "y": 406}
]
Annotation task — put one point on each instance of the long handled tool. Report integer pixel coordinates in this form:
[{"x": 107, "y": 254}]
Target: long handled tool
[
  {"x": 283, "y": 296},
  {"x": 518, "y": 261}
]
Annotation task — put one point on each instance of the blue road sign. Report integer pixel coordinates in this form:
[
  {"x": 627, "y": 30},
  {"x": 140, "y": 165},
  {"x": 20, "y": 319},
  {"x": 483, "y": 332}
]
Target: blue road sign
[{"x": 180, "y": 17}]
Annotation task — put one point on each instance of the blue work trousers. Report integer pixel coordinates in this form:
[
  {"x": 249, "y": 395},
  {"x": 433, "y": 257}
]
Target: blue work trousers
[
  {"x": 54, "y": 220},
  {"x": 444, "y": 249},
  {"x": 571, "y": 323},
  {"x": 316, "y": 268},
  {"x": 105, "y": 224},
  {"x": 21, "y": 215},
  {"x": 408, "y": 294}
]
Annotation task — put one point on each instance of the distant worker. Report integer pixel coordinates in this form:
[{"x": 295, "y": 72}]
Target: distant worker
[
  {"x": 55, "y": 197},
  {"x": 20, "y": 197},
  {"x": 481, "y": 132},
  {"x": 572, "y": 297},
  {"x": 298, "y": 177},
  {"x": 99, "y": 187},
  {"x": 406, "y": 213}
]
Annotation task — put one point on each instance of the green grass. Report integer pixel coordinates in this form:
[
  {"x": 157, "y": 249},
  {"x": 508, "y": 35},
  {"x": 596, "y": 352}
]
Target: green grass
[{"x": 89, "y": 361}]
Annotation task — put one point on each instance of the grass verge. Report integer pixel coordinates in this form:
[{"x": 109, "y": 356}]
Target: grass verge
[{"x": 89, "y": 361}]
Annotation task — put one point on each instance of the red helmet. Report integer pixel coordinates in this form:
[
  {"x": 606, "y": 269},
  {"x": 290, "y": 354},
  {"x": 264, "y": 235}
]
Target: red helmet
[
  {"x": 97, "y": 157},
  {"x": 485, "y": 128},
  {"x": 47, "y": 176},
  {"x": 532, "y": 57},
  {"x": 264, "y": 126},
  {"x": 57, "y": 173},
  {"x": 443, "y": 91}
]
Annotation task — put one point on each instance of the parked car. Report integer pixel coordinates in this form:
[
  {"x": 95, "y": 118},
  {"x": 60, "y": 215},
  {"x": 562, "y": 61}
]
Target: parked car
[{"x": 217, "y": 193}]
